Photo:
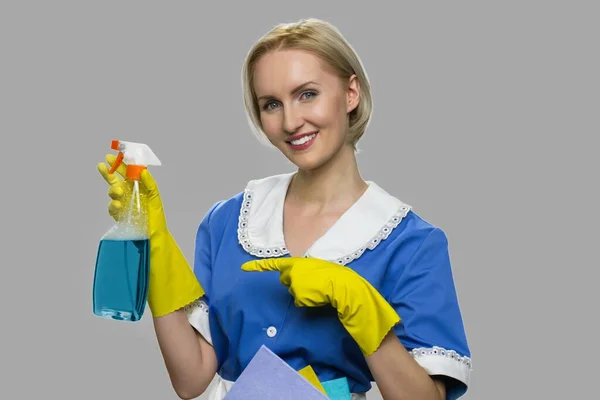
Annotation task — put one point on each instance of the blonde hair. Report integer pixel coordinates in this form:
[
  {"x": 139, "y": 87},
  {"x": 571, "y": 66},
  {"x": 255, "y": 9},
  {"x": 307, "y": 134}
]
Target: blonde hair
[{"x": 325, "y": 41}]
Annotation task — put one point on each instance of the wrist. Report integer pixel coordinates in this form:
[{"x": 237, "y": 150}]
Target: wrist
[{"x": 366, "y": 315}]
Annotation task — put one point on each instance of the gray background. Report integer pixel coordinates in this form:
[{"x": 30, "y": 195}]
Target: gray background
[{"x": 484, "y": 122}]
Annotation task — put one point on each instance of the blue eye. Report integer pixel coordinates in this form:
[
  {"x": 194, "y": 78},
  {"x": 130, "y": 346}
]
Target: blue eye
[
  {"x": 310, "y": 93},
  {"x": 271, "y": 105},
  {"x": 267, "y": 105}
]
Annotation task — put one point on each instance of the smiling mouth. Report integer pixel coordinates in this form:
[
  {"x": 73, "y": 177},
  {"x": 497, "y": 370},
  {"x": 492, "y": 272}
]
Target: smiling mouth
[
  {"x": 302, "y": 142},
  {"x": 303, "y": 139}
]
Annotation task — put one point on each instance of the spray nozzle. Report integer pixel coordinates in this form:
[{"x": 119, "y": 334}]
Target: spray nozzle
[{"x": 137, "y": 156}]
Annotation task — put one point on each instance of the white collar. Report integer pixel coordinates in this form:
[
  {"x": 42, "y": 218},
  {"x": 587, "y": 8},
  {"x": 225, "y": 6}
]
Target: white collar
[{"x": 370, "y": 220}]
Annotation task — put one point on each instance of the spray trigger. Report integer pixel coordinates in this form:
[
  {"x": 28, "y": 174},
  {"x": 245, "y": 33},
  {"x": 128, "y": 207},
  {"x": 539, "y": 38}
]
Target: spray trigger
[
  {"x": 117, "y": 163},
  {"x": 115, "y": 146}
]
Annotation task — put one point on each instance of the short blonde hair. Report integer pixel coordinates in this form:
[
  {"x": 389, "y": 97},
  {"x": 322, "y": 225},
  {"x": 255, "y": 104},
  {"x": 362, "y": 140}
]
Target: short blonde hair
[{"x": 325, "y": 41}]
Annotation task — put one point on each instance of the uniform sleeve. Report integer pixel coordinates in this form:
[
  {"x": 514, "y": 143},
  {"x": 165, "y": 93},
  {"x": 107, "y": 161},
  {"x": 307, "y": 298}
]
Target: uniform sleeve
[
  {"x": 432, "y": 327},
  {"x": 197, "y": 312}
]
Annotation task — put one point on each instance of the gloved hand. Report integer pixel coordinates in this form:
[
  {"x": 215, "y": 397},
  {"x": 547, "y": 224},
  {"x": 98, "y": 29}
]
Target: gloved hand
[
  {"x": 365, "y": 314},
  {"x": 172, "y": 283}
]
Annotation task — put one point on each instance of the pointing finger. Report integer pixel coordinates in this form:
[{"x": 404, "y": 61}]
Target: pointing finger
[
  {"x": 262, "y": 265},
  {"x": 267, "y": 264}
]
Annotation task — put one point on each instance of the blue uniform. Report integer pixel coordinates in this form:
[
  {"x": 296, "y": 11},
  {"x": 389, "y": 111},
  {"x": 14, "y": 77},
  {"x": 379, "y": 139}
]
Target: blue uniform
[{"x": 404, "y": 257}]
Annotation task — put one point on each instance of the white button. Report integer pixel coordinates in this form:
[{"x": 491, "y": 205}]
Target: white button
[{"x": 272, "y": 331}]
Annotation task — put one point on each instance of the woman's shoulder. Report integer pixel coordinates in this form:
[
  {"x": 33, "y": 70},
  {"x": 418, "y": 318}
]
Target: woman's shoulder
[
  {"x": 406, "y": 214},
  {"x": 417, "y": 225},
  {"x": 402, "y": 225}
]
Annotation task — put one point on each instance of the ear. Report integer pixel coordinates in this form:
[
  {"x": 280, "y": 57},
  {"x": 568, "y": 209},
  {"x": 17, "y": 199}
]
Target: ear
[{"x": 352, "y": 94}]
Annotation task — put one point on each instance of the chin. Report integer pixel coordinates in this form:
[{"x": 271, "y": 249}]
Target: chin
[
  {"x": 304, "y": 163},
  {"x": 309, "y": 160}
]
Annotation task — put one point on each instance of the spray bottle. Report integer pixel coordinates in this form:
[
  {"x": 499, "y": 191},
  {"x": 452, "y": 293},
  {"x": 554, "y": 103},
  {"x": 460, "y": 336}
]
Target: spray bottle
[{"x": 121, "y": 275}]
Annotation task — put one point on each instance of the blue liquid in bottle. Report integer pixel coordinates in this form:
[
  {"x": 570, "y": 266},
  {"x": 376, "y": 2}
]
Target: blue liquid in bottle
[{"x": 121, "y": 279}]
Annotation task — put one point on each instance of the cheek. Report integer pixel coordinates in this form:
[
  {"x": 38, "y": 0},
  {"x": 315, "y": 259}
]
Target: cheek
[
  {"x": 271, "y": 125},
  {"x": 330, "y": 113}
]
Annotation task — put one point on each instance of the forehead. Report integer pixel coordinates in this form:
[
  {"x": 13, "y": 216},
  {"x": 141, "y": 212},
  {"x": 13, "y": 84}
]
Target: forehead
[{"x": 280, "y": 71}]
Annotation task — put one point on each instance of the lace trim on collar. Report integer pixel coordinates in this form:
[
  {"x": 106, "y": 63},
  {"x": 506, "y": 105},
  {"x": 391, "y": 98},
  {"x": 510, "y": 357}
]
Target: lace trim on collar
[{"x": 278, "y": 251}]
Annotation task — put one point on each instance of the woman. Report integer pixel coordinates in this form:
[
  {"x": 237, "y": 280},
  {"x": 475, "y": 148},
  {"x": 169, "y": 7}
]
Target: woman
[{"x": 323, "y": 268}]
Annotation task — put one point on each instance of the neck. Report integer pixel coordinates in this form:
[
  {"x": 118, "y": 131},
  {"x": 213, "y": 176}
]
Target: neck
[{"x": 336, "y": 184}]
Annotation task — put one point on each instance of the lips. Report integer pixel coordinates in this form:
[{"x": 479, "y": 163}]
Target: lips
[
  {"x": 302, "y": 141},
  {"x": 300, "y": 136}
]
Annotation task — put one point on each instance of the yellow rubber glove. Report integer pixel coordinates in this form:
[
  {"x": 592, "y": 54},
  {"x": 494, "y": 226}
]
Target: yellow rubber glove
[
  {"x": 172, "y": 283},
  {"x": 365, "y": 314}
]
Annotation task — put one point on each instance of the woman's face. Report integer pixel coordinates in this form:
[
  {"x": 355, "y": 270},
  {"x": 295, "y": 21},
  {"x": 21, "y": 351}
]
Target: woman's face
[{"x": 303, "y": 106}]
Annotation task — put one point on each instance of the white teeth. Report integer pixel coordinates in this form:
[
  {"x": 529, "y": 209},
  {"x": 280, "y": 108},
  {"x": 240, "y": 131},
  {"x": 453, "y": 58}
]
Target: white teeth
[{"x": 303, "y": 140}]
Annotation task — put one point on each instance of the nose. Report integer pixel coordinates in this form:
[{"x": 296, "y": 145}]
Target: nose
[{"x": 292, "y": 119}]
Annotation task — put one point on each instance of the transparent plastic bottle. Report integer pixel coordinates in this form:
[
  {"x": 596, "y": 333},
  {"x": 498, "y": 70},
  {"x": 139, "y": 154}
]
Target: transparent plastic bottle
[{"x": 120, "y": 288}]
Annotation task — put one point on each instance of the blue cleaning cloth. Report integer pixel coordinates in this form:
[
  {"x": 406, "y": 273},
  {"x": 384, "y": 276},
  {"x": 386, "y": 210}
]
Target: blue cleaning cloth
[
  {"x": 268, "y": 377},
  {"x": 337, "y": 389}
]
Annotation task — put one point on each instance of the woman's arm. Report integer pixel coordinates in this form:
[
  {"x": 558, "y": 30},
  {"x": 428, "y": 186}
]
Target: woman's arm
[
  {"x": 428, "y": 349},
  {"x": 190, "y": 360},
  {"x": 399, "y": 376}
]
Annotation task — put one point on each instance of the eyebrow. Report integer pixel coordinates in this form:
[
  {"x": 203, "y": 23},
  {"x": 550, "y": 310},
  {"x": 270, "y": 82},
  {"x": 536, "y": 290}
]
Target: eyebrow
[{"x": 294, "y": 91}]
